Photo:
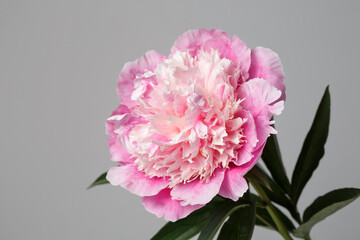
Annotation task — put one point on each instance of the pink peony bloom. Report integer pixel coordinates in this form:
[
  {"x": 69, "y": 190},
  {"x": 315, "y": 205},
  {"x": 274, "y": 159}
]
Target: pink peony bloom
[{"x": 191, "y": 125}]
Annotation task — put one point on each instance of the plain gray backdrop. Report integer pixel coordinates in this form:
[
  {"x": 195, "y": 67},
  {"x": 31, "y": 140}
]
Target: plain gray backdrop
[{"x": 59, "y": 62}]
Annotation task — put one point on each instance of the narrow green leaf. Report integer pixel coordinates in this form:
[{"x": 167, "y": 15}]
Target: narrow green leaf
[
  {"x": 272, "y": 158},
  {"x": 335, "y": 196},
  {"x": 218, "y": 218},
  {"x": 313, "y": 148},
  {"x": 256, "y": 174},
  {"x": 240, "y": 225},
  {"x": 191, "y": 225},
  {"x": 324, "y": 206},
  {"x": 99, "y": 181}
]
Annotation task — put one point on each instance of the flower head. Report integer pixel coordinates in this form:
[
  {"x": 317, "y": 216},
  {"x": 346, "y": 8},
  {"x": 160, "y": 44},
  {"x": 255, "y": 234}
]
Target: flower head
[{"x": 191, "y": 125}]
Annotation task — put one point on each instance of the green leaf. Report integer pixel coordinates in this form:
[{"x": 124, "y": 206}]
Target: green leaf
[
  {"x": 240, "y": 225},
  {"x": 313, "y": 148},
  {"x": 99, "y": 181},
  {"x": 191, "y": 225},
  {"x": 218, "y": 218},
  {"x": 272, "y": 158},
  {"x": 258, "y": 175},
  {"x": 324, "y": 206}
]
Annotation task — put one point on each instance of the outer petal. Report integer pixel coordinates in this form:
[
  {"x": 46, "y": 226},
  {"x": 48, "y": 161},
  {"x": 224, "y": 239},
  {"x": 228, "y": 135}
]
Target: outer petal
[
  {"x": 122, "y": 125},
  {"x": 117, "y": 153},
  {"x": 256, "y": 156},
  {"x": 197, "y": 192},
  {"x": 125, "y": 84},
  {"x": 266, "y": 64},
  {"x": 121, "y": 109},
  {"x": 260, "y": 98},
  {"x": 234, "y": 184},
  {"x": 162, "y": 205},
  {"x": 231, "y": 48},
  {"x": 263, "y": 130},
  {"x": 193, "y": 40},
  {"x": 243, "y": 169},
  {"x": 245, "y": 153},
  {"x": 135, "y": 181}
]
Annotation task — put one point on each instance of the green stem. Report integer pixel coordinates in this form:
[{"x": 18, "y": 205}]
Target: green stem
[
  {"x": 266, "y": 222},
  {"x": 308, "y": 238},
  {"x": 270, "y": 208},
  {"x": 281, "y": 228}
]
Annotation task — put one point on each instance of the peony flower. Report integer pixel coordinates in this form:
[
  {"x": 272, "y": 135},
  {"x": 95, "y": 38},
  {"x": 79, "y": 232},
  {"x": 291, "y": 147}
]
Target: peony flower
[{"x": 191, "y": 125}]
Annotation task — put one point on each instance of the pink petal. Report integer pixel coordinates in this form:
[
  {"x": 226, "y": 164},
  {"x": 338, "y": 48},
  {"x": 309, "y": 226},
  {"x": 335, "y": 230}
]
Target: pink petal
[
  {"x": 234, "y": 184},
  {"x": 231, "y": 48},
  {"x": 245, "y": 153},
  {"x": 260, "y": 98},
  {"x": 121, "y": 109},
  {"x": 125, "y": 84},
  {"x": 162, "y": 205},
  {"x": 266, "y": 64},
  {"x": 197, "y": 192},
  {"x": 119, "y": 127},
  {"x": 135, "y": 181},
  {"x": 193, "y": 40},
  {"x": 250, "y": 164},
  {"x": 263, "y": 130},
  {"x": 117, "y": 153}
]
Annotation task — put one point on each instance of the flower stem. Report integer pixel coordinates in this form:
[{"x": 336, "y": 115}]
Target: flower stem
[
  {"x": 266, "y": 222},
  {"x": 271, "y": 210}
]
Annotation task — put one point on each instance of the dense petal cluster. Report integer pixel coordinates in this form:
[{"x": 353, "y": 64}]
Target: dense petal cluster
[{"x": 192, "y": 124}]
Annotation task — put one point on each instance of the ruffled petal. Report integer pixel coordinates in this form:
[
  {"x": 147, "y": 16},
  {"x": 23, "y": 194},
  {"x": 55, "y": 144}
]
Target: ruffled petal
[
  {"x": 193, "y": 40},
  {"x": 263, "y": 130},
  {"x": 117, "y": 153},
  {"x": 109, "y": 125},
  {"x": 231, "y": 48},
  {"x": 260, "y": 98},
  {"x": 234, "y": 184},
  {"x": 245, "y": 153},
  {"x": 162, "y": 205},
  {"x": 125, "y": 84},
  {"x": 197, "y": 192},
  {"x": 130, "y": 178},
  {"x": 266, "y": 64}
]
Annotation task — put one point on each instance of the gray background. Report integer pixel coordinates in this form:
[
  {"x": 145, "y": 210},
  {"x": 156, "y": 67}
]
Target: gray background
[{"x": 59, "y": 63}]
